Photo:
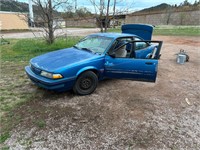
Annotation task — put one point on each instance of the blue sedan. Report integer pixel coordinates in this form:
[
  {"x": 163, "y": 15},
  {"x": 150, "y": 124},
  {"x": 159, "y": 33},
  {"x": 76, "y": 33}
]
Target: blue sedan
[{"x": 127, "y": 55}]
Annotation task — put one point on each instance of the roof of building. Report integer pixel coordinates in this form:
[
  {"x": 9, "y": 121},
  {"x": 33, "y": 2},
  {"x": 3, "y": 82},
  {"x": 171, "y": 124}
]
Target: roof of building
[{"x": 10, "y": 12}]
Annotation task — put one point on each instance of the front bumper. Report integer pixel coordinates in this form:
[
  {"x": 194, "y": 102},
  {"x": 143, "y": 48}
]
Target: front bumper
[{"x": 50, "y": 84}]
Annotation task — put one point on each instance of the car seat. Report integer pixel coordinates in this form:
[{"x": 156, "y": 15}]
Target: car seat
[{"x": 121, "y": 52}]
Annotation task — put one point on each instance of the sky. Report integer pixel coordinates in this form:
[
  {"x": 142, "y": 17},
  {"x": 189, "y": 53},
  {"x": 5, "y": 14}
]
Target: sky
[{"x": 132, "y": 5}]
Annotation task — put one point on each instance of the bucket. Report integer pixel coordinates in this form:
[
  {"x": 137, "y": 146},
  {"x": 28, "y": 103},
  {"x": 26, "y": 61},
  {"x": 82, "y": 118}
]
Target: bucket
[{"x": 181, "y": 58}]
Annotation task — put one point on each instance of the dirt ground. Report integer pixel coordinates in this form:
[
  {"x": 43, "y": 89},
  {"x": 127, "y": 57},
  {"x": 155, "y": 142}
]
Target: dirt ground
[{"x": 120, "y": 114}]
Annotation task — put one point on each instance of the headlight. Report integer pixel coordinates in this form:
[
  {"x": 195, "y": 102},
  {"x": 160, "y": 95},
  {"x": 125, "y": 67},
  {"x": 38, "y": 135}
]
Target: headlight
[{"x": 51, "y": 75}]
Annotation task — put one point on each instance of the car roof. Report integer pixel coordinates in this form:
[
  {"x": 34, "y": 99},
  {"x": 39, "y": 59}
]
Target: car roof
[{"x": 114, "y": 35}]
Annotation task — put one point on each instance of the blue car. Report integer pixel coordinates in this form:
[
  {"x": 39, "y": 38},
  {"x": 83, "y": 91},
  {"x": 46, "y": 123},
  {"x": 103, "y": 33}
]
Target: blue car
[{"x": 127, "y": 55}]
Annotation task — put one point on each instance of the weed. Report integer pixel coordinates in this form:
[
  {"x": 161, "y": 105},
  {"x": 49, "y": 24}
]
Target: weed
[
  {"x": 40, "y": 123},
  {"x": 5, "y": 148},
  {"x": 4, "y": 137}
]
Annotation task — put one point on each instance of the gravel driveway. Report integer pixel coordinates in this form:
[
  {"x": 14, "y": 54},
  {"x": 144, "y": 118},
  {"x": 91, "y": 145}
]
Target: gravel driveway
[{"x": 38, "y": 32}]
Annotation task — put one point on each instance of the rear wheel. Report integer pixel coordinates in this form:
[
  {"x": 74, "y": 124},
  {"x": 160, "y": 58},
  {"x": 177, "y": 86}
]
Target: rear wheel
[{"x": 86, "y": 83}]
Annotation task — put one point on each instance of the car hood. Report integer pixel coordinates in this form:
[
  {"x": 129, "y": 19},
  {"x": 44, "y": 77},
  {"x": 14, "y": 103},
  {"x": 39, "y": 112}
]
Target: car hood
[{"x": 57, "y": 59}]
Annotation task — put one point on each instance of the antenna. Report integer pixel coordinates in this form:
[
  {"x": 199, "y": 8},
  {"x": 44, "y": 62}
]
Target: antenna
[{"x": 31, "y": 13}]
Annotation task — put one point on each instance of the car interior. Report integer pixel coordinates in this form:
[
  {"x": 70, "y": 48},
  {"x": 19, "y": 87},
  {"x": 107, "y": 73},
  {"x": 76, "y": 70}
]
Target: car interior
[
  {"x": 129, "y": 47},
  {"x": 121, "y": 52}
]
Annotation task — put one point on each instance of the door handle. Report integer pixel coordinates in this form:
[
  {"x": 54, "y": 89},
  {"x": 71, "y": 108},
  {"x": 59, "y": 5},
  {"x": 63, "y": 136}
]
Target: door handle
[{"x": 149, "y": 63}]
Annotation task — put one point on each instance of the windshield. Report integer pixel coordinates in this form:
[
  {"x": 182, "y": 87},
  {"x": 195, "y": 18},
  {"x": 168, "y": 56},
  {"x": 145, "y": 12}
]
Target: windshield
[{"x": 96, "y": 44}]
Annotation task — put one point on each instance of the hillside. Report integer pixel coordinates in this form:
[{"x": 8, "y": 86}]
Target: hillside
[
  {"x": 162, "y": 6},
  {"x": 14, "y": 6},
  {"x": 166, "y": 8}
]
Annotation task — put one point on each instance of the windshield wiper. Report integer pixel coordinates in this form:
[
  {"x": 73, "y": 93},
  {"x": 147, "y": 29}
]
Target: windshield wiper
[
  {"x": 76, "y": 47},
  {"x": 87, "y": 49}
]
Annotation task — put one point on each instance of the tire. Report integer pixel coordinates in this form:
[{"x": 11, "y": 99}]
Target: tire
[{"x": 86, "y": 83}]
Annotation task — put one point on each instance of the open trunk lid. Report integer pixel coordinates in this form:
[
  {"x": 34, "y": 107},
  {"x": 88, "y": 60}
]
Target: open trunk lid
[{"x": 142, "y": 30}]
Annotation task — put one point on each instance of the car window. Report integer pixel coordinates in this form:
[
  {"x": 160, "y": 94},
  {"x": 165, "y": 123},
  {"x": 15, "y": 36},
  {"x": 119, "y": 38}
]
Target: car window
[
  {"x": 125, "y": 40},
  {"x": 96, "y": 44},
  {"x": 121, "y": 47},
  {"x": 140, "y": 45}
]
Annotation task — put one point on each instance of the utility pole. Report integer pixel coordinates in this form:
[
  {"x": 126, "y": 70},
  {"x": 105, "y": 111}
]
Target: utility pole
[{"x": 31, "y": 17}]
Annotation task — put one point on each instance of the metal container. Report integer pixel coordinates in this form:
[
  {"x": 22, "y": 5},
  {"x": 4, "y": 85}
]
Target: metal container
[{"x": 181, "y": 59}]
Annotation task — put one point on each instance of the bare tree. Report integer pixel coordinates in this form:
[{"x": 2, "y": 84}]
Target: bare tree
[
  {"x": 169, "y": 13},
  {"x": 102, "y": 13},
  {"x": 99, "y": 10},
  {"x": 105, "y": 10},
  {"x": 114, "y": 9},
  {"x": 107, "y": 16},
  {"x": 47, "y": 11}
]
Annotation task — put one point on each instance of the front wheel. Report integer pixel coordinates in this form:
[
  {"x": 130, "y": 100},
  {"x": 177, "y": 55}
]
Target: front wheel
[{"x": 86, "y": 83}]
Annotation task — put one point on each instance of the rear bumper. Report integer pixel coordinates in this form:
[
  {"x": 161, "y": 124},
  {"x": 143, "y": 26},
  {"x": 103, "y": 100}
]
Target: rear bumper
[{"x": 50, "y": 84}]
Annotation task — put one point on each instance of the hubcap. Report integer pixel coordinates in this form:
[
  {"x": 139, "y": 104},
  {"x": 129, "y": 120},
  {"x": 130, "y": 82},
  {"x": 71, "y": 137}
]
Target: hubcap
[{"x": 86, "y": 83}]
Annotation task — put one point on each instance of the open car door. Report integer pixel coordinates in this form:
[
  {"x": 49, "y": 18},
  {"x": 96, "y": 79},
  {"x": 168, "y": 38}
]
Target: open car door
[{"x": 139, "y": 69}]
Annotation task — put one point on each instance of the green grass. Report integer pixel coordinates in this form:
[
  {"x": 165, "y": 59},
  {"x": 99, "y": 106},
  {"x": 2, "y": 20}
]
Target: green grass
[
  {"x": 4, "y": 136},
  {"x": 5, "y": 148},
  {"x": 177, "y": 30},
  {"x": 15, "y": 88},
  {"x": 172, "y": 30},
  {"x": 24, "y": 49}
]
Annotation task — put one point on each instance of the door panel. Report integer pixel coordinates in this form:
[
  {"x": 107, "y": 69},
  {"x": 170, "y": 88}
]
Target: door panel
[
  {"x": 143, "y": 53},
  {"x": 130, "y": 68}
]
